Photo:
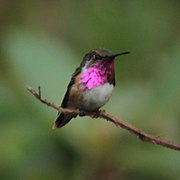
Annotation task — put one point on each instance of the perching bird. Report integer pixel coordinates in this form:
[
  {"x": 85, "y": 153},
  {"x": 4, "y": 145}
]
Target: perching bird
[{"x": 91, "y": 84}]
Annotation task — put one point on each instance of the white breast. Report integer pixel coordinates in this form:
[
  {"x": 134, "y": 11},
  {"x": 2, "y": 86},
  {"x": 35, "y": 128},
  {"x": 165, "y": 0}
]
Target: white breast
[{"x": 96, "y": 97}]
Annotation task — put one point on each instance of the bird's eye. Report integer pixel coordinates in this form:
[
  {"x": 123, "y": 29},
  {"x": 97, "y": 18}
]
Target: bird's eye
[{"x": 96, "y": 57}]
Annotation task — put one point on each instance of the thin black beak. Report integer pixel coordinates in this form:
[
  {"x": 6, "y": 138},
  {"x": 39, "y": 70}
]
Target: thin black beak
[{"x": 120, "y": 54}]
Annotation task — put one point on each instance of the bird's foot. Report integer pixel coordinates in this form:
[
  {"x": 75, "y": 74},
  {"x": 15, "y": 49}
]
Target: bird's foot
[
  {"x": 82, "y": 113},
  {"x": 96, "y": 114}
]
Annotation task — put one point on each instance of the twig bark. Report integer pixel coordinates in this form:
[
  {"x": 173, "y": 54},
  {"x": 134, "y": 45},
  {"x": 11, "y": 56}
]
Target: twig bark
[{"x": 102, "y": 114}]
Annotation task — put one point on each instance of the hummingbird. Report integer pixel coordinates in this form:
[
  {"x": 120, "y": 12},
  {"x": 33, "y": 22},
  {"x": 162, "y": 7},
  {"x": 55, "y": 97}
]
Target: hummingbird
[{"x": 91, "y": 84}]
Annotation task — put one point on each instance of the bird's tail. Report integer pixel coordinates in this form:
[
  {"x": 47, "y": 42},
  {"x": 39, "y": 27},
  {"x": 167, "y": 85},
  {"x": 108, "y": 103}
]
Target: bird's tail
[{"x": 62, "y": 120}]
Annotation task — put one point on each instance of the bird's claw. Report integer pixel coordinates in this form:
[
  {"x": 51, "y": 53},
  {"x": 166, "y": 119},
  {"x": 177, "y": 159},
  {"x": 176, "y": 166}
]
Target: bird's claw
[{"x": 81, "y": 113}]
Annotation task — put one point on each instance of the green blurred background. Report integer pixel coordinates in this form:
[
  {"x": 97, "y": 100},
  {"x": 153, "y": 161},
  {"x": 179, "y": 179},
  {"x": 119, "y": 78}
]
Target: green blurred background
[{"x": 42, "y": 42}]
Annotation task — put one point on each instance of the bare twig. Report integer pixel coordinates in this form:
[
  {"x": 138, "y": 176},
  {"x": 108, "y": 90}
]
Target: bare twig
[
  {"x": 39, "y": 90},
  {"x": 142, "y": 135}
]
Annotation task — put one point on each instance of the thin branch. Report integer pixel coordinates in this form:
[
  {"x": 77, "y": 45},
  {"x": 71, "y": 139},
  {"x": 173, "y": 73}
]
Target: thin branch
[{"x": 102, "y": 114}]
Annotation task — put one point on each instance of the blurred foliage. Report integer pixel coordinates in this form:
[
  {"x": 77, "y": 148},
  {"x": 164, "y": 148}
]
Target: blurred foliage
[{"x": 42, "y": 42}]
